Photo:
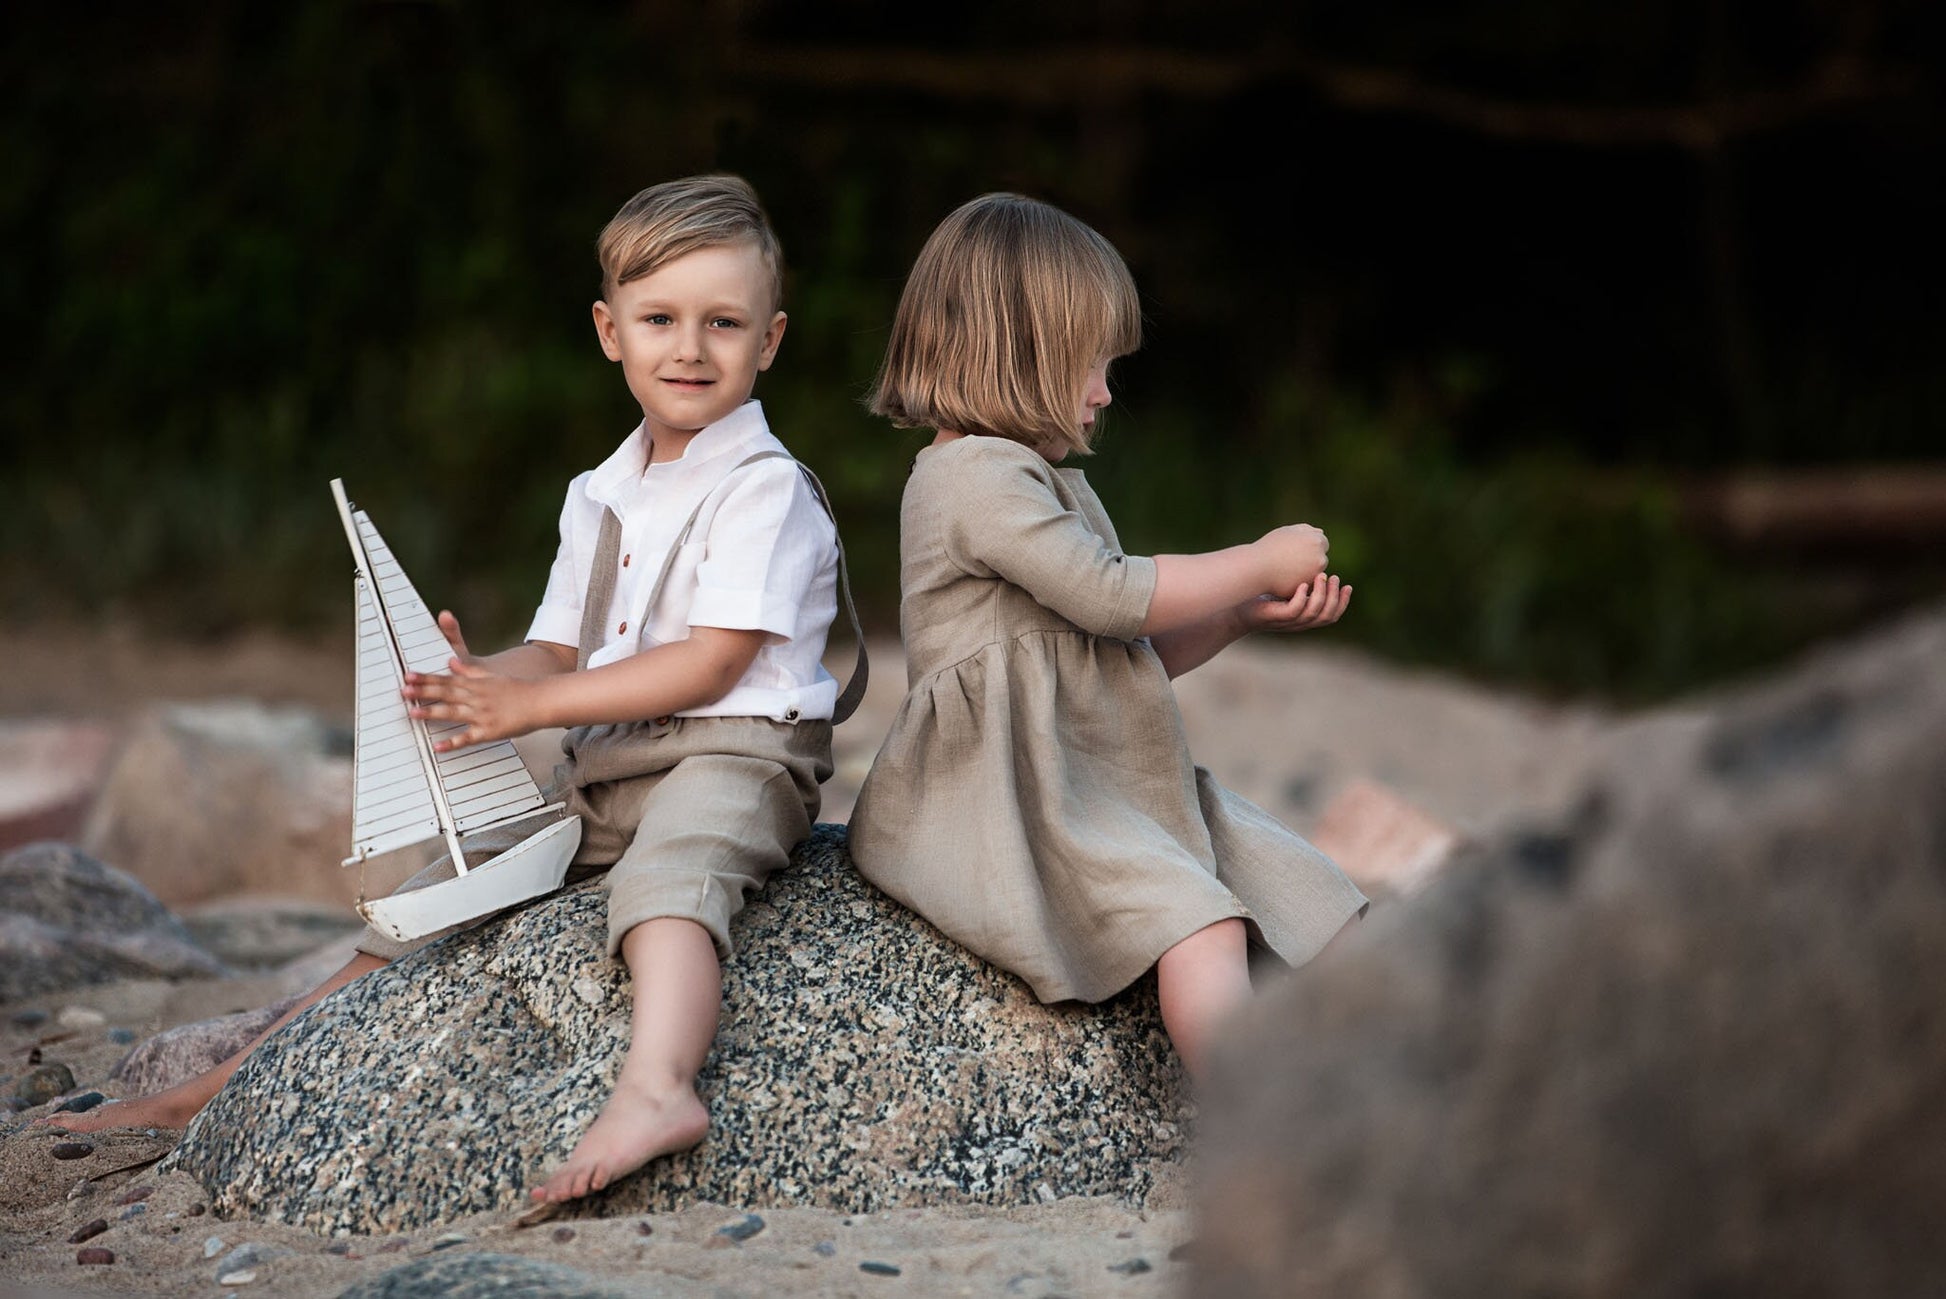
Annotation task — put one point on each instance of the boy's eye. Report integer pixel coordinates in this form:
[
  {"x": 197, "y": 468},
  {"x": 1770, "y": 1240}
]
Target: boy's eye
[
  {"x": 725, "y": 322},
  {"x": 656, "y": 318}
]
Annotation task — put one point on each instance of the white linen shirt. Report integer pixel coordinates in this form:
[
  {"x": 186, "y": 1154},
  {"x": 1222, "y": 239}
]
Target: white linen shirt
[{"x": 763, "y": 556}]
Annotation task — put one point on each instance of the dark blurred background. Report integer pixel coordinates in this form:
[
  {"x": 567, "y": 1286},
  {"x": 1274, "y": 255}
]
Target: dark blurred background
[{"x": 1605, "y": 340}]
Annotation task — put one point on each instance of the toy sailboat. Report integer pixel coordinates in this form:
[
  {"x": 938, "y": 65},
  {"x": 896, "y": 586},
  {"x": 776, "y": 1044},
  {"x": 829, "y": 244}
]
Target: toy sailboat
[{"x": 403, "y": 792}]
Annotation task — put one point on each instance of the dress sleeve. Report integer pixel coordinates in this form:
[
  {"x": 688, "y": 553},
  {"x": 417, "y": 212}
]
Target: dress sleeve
[{"x": 1005, "y": 520}]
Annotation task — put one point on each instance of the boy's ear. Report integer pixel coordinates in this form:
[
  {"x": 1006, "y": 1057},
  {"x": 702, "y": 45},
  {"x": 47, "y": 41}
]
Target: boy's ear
[
  {"x": 773, "y": 335},
  {"x": 611, "y": 346}
]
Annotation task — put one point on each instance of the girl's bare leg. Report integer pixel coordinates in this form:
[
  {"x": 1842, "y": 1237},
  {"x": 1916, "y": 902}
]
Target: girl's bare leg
[
  {"x": 655, "y": 1110},
  {"x": 175, "y": 1106},
  {"x": 1201, "y": 981}
]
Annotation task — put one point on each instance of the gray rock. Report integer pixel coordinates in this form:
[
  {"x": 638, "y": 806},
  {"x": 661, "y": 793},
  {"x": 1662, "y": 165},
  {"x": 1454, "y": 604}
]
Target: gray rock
[
  {"x": 68, "y": 920},
  {"x": 1690, "y": 1041},
  {"x": 179, "y": 1054},
  {"x": 481, "y": 1276},
  {"x": 42, "y": 1084},
  {"x": 259, "y": 933},
  {"x": 863, "y": 1062}
]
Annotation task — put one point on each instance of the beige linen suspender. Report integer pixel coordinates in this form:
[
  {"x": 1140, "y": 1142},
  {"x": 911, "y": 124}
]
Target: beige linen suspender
[{"x": 608, "y": 547}]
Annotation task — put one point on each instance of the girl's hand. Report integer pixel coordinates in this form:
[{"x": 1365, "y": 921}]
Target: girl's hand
[
  {"x": 491, "y": 706},
  {"x": 1295, "y": 553},
  {"x": 1315, "y": 604}
]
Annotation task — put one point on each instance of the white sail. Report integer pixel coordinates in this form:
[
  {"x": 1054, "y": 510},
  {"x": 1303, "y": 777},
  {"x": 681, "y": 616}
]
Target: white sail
[{"x": 393, "y": 805}]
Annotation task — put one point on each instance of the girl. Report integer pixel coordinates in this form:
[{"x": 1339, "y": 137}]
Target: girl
[{"x": 1034, "y": 796}]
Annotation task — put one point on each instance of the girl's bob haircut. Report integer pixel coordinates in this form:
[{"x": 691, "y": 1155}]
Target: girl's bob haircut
[{"x": 1009, "y": 305}]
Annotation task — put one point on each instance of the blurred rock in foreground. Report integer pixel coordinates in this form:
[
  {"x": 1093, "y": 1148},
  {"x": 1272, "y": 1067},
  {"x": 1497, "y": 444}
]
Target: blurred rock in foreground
[
  {"x": 864, "y": 1062},
  {"x": 68, "y": 921},
  {"x": 1690, "y": 1042}
]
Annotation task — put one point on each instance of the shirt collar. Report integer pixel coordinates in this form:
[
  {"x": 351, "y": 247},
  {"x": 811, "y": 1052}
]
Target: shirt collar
[{"x": 615, "y": 480}]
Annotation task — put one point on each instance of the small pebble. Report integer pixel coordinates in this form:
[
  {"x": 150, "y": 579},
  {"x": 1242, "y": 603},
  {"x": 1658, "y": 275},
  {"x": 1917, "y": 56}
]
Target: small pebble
[
  {"x": 644, "y": 1229},
  {"x": 94, "y": 1254},
  {"x": 89, "y": 1231},
  {"x": 136, "y": 1194},
  {"x": 743, "y": 1228},
  {"x": 824, "y": 1249},
  {"x": 79, "y": 1104},
  {"x": 134, "y": 1211},
  {"x": 394, "y": 1245},
  {"x": 875, "y": 1268},
  {"x": 245, "y": 1277},
  {"x": 562, "y": 1235},
  {"x": 121, "y": 1036},
  {"x": 72, "y": 1150},
  {"x": 82, "y": 1189},
  {"x": 44, "y": 1082},
  {"x": 1124, "y": 1235},
  {"x": 212, "y": 1247},
  {"x": 198, "y": 1210},
  {"x": 1133, "y": 1267},
  {"x": 34, "y": 1056},
  {"x": 82, "y": 1017},
  {"x": 449, "y": 1240},
  {"x": 29, "y": 1018},
  {"x": 338, "y": 1247}
]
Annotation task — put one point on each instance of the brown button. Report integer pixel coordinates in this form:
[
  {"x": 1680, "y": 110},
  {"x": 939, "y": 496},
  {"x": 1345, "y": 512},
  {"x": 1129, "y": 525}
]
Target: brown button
[
  {"x": 619, "y": 630},
  {"x": 665, "y": 719},
  {"x": 625, "y": 561}
]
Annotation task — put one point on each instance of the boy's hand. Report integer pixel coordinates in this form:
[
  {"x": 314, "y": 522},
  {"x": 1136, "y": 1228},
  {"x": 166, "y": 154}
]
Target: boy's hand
[
  {"x": 492, "y": 706},
  {"x": 449, "y": 628},
  {"x": 1318, "y": 603}
]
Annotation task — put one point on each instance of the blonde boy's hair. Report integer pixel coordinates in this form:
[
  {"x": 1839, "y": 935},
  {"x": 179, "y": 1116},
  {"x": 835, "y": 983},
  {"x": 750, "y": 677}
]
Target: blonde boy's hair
[
  {"x": 1009, "y": 304},
  {"x": 663, "y": 222}
]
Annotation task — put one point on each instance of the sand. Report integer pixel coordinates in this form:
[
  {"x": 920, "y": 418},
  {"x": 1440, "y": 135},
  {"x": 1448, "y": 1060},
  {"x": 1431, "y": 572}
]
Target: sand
[{"x": 1294, "y": 725}]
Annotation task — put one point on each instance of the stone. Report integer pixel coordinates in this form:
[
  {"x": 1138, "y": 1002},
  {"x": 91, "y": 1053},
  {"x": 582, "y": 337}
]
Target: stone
[
  {"x": 69, "y": 920},
  {"x": 49, "y": 773},
  {"x": 863, "y": 1062},
  {"x": 42, "y": 1084},
  {"x": 215, "y": 798},
  {"x": 481, "y": 1276},
  {"x": 262, "y": 933},
  {"x": 180, "y": 1053},
  {"x": 1686, "y": 1040}
]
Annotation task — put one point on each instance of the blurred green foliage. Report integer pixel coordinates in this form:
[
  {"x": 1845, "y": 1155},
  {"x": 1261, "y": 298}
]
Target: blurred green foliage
[{"x": 260, "y": 247}]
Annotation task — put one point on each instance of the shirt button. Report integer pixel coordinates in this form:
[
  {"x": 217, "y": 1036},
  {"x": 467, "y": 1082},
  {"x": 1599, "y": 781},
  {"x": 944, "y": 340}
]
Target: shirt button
[
  {"x": 790, "y": 714},
  {"x": 625, "y": 561},
  {"x": 621, "y": 629}
]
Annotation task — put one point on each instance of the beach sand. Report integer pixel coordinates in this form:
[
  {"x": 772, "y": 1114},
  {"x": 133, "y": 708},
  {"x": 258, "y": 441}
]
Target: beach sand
[{"x": 1292, "y": 726}]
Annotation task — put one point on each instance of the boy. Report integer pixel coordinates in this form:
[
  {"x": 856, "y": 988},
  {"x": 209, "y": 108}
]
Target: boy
[{"x": 695, "y": 585}]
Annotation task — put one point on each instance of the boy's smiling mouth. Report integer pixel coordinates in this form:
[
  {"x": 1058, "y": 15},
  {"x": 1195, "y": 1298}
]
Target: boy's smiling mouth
[{"x": 690, "y": 385}]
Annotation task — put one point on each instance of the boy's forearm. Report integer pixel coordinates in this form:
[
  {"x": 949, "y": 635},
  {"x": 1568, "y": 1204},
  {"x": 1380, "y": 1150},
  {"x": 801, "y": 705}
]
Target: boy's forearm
[
  {"x": 532, "y": 660},
  {"x": 655, "y": 683}
]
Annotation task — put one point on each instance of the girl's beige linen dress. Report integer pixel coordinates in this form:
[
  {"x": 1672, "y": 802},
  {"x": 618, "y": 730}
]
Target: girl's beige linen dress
[{"x": 1034, "y": 796}]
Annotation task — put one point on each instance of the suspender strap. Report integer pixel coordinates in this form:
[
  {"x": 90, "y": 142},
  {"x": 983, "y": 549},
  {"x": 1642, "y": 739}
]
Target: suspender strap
[{"x": 608, "y": 546}]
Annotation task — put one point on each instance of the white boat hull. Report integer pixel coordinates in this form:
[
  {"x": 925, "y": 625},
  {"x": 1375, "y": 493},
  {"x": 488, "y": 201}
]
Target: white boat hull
[{"x": 535, "y": 865}]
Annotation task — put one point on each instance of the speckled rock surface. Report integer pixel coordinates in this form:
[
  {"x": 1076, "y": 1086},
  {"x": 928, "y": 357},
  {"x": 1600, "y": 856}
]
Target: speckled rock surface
[
  {"x": 863, "y": 1062},
  {"x": 178, "y": 1054},
  {"x": 68, "y": 920}
]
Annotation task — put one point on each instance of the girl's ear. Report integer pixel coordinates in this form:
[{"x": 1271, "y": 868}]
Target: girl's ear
[
  {"x": 773, "y": 335},
  {"x": 611, "y": 346}
]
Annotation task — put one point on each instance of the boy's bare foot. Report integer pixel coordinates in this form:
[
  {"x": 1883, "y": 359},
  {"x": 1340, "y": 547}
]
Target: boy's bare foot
[{"x": 633, "y": 1128}]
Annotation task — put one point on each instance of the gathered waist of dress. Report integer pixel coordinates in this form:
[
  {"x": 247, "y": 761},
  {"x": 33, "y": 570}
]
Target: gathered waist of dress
[{"x": 923, "y": 659}]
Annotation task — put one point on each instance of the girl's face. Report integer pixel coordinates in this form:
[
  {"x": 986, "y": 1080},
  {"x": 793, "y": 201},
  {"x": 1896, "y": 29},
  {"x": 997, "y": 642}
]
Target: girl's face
[{"x": 1094, "y": 396}]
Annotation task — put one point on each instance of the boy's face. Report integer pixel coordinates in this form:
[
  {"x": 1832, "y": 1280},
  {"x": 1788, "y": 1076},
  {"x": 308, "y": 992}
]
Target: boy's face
[{"x": 692, "y": 336}]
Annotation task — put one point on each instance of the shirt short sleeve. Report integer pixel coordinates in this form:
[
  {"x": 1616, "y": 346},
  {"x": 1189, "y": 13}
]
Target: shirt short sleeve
[
  {"x": 558, "y": 619},
  {"x": 769, "y": 543}
]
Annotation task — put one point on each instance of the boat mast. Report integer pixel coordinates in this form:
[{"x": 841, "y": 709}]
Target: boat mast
[{"x": 442, "y": 810}]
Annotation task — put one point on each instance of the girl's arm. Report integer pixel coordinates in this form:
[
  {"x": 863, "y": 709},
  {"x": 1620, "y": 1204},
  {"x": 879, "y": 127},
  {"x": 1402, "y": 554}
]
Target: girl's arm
[
  {"x": 667, "y": 679},
  {"x": 1317, "y": 603},
  {"x": 1193, "y": 589}
]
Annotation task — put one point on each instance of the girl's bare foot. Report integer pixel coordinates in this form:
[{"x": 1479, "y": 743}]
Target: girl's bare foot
[
  {"x": 165, "y": 1109},
  {"x": 633, "y": 1128}
]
